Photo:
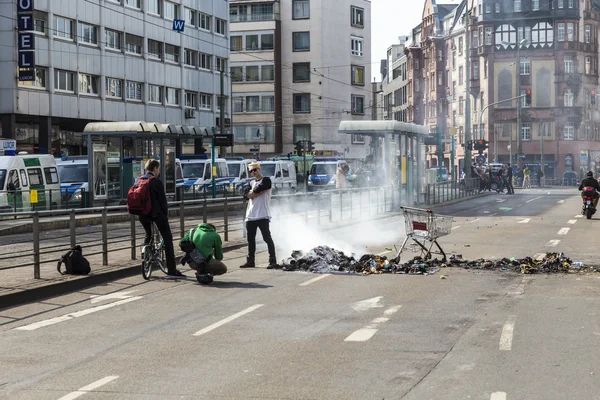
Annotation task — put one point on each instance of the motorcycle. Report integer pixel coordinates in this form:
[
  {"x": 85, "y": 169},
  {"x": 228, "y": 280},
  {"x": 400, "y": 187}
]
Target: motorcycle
[{"x": 588, "y": 202}]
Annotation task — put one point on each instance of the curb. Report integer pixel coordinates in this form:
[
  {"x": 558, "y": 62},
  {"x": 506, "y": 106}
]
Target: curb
[{"x": 460, "y": 200}]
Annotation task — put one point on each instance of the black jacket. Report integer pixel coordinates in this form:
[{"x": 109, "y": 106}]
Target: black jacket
[
  {"x": 509, "y": 173},
  {"x": 158, "y": 197},
  {"x": 590, "y": 182}
]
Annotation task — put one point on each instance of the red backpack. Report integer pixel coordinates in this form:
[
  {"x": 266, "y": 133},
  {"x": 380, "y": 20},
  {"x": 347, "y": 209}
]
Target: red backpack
[{"x": 139, "y": 201}]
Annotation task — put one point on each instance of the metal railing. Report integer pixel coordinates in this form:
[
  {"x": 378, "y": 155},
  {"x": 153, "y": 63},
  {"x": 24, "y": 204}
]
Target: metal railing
[
  {"x": 441, "y": 192},
  {"x": 46, "y": 244},
  {"x": 47, "y": 199}
]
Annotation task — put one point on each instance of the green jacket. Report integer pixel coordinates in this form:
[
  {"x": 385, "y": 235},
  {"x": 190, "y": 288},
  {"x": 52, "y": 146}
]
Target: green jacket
[{"x": 207, "y": 241}]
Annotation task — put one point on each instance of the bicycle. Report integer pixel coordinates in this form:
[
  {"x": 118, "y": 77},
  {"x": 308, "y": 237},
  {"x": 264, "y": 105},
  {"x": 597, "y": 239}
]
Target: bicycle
[{"x": 153, "y": 255}]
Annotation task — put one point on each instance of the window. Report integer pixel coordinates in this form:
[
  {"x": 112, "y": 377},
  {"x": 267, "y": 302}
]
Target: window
[
  {"x": 253, "y": 103},
  {"x": 204, "y": 61},
  {"x": 542, "y": 33},
  {"x": 268, "y": 103},
  {"x": 497, "y": 8},
  {"x": 570, "y": 3},
  {"x": 561, "y": 4},
  {"x": 517, "y": 5},
  {"x": 190, "y": 17},
  {"x": 88, "y": 84},
  {"x": 569, "y": 131},
  {"x": 460, "y": 75},
  {"x": 460, "y": 45},
  {"x": 235, "y": 43},
  {"x": 191, "y": 99},
  {"x": 588, "y": 65},
  {"x": 63, "y": 28},
  {"x": 475, "y": 39},
  {"x": 155, "y": 94},
  {"x": 172, "y": 53},
  {"x": 190, "y": 58},
  {"x": 569, "y": 65},
  {"x": 524, "y": 32},
  {"x": 133, "y": 3},
  {"x": 252, "y": 73},
  {"x": 40, "y": 22},
  {"x": 358, "y": 104},
  {"x": 204, "y": 21},
  {"x": 133, "y": 44},
  {"x": 301, "y": 72},
  {"x": 172, "y": 97},
  {"x": 535, "y": 5},
  {"x": 488, "y": 36},
  {"x": 522, "y": 99},
  {"x": 112, "y": 39},
  {"x": 113, "y": 88},
  {"x": 568, "y": 98},
  {"x": 561, "y": 32},
  {"x": 300, "y": 9},
  {"x": 267, "y": 42},
  {"x": 356, "y": 47},
  {"x": 87, "y": 33},
  {"x": 41, "y": 75},
  {"x": 133, "y": 91},
  {"x": 155, "y": 49},
  {"x": 570, "y": 31},
  {"x": 358, "y": 17},
  {"x": 13, "y": 177},
  {"x": 64, "y": 80},
  {"x": 251, "y": 42},
  {"x": 237, "y": 74},
  {"x": 171, "y": 10},
  {"x": 358, "y": 75},
  {"x": 588, "y": 34},
  {"x": 238, "y": 104},
  {"x": 221, "y": 26},
  {"x": 301, "y": 41},
  {"x": 461, "y": 104},
  {"x": 205, "y": 102},
  {"x": 525, "y": 66},
  {"x": 154, "y": 7},
  {"x": 301, "y": 132},
  {"x": 35, "y": 176},
  {"x": 221, "y": 64},
  {"x": 267, "y": 73},
  {"x": 454, "y": 59},
  {"x": 525, "y": 131},
  {"x": 301, "y": 103},
  {"x": 51, "y": 175},
  {"x": 488, "y": 8},
  {"x": 238, "y": 13}
]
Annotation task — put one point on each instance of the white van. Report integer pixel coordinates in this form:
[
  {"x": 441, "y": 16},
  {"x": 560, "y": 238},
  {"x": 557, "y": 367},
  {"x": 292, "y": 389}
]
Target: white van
[
  {"x": 21, "y": 174},
  {"x": 282, "y": 174},
  {"x": 197, "y": 173},
  {"x": 239, "y": 177},
  {"x": 323, "y": 173}
]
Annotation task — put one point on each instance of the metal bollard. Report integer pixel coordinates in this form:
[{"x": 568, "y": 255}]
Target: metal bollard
[
  {"x": 133, "y": 238},
  {"x": 104, "y": 238},
  {"x": 36, "y": 245},
  {"x": 226, "y": 220},
  {"x": 72, "y": 227},
  {"x": 181, "y": 219},
  {"x": 204, "y": 211}
]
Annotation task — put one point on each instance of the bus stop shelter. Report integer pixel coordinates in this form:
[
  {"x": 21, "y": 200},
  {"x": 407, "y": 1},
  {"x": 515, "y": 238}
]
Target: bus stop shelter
[
  {"x": 117, "y": 151},
  {"x": 400, "y": 152}
]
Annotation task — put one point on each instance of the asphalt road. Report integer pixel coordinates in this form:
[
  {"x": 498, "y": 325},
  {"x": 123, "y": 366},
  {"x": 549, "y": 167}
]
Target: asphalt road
[{"x": 264, "y": 334}]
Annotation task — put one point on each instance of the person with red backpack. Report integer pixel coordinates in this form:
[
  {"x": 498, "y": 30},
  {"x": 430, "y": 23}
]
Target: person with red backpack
[{"x": 147, "y": 199}]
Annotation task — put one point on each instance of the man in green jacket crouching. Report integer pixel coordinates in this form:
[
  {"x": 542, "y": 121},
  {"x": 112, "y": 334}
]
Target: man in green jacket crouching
[{"x": 207, "y": 260}]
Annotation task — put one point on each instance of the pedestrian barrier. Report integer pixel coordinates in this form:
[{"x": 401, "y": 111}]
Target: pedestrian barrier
[{"x": 441, "y": 192}]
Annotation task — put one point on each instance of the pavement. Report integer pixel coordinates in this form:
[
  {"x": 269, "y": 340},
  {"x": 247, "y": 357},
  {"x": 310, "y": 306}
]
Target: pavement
[{"x": 270, "y": 334}]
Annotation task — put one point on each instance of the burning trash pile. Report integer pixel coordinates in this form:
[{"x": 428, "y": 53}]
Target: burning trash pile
[{"x": 324, "y": 259}]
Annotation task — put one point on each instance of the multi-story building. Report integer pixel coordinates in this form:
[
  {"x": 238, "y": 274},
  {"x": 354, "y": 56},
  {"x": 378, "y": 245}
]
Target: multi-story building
[
  {"x": 395, "y": 81},
  {"x": 112, "y": 60}
]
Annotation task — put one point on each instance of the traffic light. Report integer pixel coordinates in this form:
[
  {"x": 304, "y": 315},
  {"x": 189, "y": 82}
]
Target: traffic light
[
  {"x": 528, "y": 97},
  {"x": 311, "y": 146},
  {"x": 299, "y": 147},
  {"x": 478, "y": 145},
  {"x": 593, "y": 97}
]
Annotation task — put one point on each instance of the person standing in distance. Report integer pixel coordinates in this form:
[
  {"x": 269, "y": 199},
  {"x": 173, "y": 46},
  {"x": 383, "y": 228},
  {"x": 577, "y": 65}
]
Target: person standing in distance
[
  {"x": 258, "y": 216},
  {"x": 159, "y": 215}
]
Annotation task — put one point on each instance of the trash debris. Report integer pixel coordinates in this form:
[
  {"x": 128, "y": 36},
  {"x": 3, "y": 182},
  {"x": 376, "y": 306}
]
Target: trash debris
[{"x": 324, "y": 259}]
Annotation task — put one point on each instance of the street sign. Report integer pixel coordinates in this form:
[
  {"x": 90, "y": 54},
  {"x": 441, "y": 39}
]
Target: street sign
[
  {"x": 178, "y": 25},
  {"x": 446, "y": 140},
  {"x": 480, "y": 159},
  {"x": 223, "y": 140},
  {"x": 254, "y": 149}
]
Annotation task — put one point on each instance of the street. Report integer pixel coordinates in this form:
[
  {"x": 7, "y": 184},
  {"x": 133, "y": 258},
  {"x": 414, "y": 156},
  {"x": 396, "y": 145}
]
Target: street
[{"x": 271, "y": 334}]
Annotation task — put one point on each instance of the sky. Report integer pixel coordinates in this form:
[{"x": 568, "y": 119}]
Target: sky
[{"x": 390, "y": 19}]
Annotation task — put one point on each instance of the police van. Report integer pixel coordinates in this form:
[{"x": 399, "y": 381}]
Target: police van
[
  {"x": 239, "y": 177},
  {"x": 26, "y": 179},
  {"x": 197, "y": 173},
  {"x": 282, "y": 174},
  {"x": 322, "y": 173}
]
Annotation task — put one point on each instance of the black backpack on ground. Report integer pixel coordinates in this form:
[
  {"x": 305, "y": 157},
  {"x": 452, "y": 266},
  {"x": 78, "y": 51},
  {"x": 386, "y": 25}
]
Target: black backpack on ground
[{"x": 75, "y": 262}]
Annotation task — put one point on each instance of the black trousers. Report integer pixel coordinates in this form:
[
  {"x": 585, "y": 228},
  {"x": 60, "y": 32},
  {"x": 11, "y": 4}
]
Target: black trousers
[
  {"x": 509, "y": 186},
  {"x": 162, "y": 223},
  {"x": 251, "y": 228}
]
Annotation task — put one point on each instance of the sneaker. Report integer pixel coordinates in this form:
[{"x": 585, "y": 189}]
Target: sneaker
[{"x": 272, "y": 264}]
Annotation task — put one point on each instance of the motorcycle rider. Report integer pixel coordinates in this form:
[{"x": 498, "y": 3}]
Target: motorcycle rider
[{"x": 590, "y": 181}]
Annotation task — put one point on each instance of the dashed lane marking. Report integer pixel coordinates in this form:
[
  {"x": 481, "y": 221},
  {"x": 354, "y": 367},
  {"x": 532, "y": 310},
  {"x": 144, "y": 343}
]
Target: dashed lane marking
[
  {"x": 564, "y": 231},
  {"x": 572, "y": 221},
  {"x": 455, "y": 227},
  {"x": 579, "y": 216},
  {"x": 475, "y": 220},
  {"x": 366, "y": 333},
  {"x": 560, "y": 201},
  {"x": 318, "y": 278},
  {"x": 228, "y": 319},
  {"x": 553, "y": 243},
  {"x": 89, "y": 388},
  {"x": 507, "y": 333},
  {"x": 498, "y": 396},
  {"x": 500, "y": 201},
  {"x": 524, "y": 220},
  {"x": 534, "y": 199}
]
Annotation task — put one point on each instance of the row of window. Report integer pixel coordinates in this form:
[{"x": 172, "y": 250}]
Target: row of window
[
  {"x": 505, "y": 131},
  {"x": 255, "y": 12},
  {"x": 517, "y": 6},
  {"x": 254, "y": 104},
  {"x": 115, "y": 88},
  {"x": 301, "y": 10},
  {"x": 32, "y": 177},
  {"x": 253, "y": 73}
]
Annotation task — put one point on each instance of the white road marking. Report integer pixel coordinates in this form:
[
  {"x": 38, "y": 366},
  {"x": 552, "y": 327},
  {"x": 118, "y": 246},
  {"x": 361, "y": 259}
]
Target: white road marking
[
  {"x": 564, "y": 231},
  {"x": 498, "y": 396},
  {"x": 560, "y": 201},
  {"x": 493, "y": 215},
  {"x": 519, "y": 290},
  {"x": 318, "y": 278},
  {"x": 364, "y": 305},
  {"x": 507, "y": 333},
  {"x": 572, "y": 221},
  {"x": 501, "y": 201},
  {"x": 226, "y": 320},
  {"x": 534, "y": 199},
  {"x": 553, "y": 243},
  {"x": 86, "y": 389},
  {"x": 111, "y": 296},
  {"x": 366, "y": 333},
  {"x": 475, "y": 220},
  {"x": 455, "y": 227},
  {"x": 77, "y": 314},
  {"x": 524, "y": 220},
  {"x": 579, "y": 216}
]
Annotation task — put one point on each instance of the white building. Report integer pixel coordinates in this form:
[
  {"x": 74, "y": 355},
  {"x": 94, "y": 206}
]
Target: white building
[{"x": 112, "y": 60}]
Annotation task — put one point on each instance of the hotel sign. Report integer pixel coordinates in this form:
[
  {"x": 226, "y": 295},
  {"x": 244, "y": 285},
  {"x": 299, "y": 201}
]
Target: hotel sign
[{"x": 26, "y": 40}]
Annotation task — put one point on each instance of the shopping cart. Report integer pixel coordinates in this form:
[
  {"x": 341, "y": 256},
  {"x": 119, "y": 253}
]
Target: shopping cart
[{"x": 424, "y": 228}]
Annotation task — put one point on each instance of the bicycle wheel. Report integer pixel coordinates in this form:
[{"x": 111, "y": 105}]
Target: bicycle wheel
[
  {"x": 161, "y": 258},
  {"x": 146, "y": 262}
]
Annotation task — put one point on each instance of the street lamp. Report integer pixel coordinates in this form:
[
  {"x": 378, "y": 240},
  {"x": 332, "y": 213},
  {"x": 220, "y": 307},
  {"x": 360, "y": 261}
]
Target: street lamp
[{"x": 523, "y": 42}]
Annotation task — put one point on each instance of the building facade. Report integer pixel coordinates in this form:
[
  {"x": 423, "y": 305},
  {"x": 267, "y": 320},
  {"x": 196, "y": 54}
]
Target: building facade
[{"x": 112, "y": 60}]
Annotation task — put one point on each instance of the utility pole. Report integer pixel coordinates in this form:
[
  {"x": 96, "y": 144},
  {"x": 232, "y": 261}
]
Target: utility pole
[
  {"x": 518, "y": 83},
  {"x": 467, "y": 162},
  {"x": 221, "y": 131}
]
